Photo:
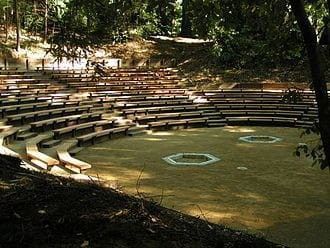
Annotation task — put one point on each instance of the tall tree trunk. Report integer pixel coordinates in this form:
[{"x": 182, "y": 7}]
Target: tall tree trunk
[
  {"x": 317, "y": 72},
  {"x": 46, "y": 22},
  {"x": 162, "y": 16},
  {"x": 6, "y": 16},
  {"x": 18, "y": 25},
  {"x": 35, "y": 14},
  {"x": 186, "y": 23}
]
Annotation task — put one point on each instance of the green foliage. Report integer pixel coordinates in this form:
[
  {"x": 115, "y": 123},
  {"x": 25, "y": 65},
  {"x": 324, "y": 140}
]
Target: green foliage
[
  {"x": 245, "y": 33},
  {"x": 292, "y": 95},
  {"x": 313, "y": 149},
  {"x": 253, "y": 33},
  {"x": 85, "y": 24},
  {"x": 249, "y": 33}
]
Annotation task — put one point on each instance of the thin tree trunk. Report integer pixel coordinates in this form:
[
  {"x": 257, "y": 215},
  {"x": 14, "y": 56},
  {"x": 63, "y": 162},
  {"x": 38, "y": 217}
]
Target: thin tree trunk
[
  {"x": 6, "y": 16},
  {"x": 35, "y": 14},
  {"x": 186, "y": 23},
  {"x": 18, "y": 25},
  {"x": 46, "y": 21},
  {"x": 317, "y": 72},
  {"x": 163, "y": 17}
]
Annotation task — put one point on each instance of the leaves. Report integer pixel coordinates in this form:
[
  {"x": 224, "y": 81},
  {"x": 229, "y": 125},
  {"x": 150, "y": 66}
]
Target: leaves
[{"x": 313, "y": 149}]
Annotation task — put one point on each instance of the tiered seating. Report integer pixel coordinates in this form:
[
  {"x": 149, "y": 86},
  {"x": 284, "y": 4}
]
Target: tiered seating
[
  {"x": 64, "y": 121},
  {"x": 258, "y": 107},
  {"x": 67, "y": 160},
  {"x": 57, "y": 112},
  {"x": 119, "y": 80},
  {"x": 97, "y": 135},
  {"x": 38, "y": 158}
]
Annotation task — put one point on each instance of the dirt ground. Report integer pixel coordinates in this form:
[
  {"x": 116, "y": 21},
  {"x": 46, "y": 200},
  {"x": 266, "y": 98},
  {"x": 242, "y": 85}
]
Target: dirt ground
[{"x": 279, "y": 196}]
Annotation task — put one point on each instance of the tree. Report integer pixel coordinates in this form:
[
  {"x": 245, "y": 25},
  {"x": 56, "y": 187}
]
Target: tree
[
  {"x": 18, "y": 24},
  {"x": 46, "y": 21},
  {"x": 318, "y": 76},
  {"x": 186, "y": 22},
  {"x": 164, "y": 17}
]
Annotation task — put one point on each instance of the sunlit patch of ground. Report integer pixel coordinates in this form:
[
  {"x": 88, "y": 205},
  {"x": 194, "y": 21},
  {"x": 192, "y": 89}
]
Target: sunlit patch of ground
[{"x": 279, "y": 196}]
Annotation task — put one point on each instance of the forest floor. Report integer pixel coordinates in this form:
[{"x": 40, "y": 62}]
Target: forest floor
[
  {"x": 199, "y": 67},
  {"x": 41, "y": 210},
  {"x": 197, "y": 64}
]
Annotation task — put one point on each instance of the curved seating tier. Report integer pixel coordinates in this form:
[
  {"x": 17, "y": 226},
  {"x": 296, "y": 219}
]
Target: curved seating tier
[{"x": 55, "y": 112}]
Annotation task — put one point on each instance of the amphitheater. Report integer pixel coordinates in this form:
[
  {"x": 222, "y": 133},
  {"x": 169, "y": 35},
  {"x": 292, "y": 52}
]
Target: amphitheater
[{"x": 70, "y": 122}]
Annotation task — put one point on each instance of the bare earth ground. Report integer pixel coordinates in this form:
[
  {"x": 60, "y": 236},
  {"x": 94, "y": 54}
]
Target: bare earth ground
[
  {"x": 199, "y": 67},
  {"x": 280, "y": 196}
]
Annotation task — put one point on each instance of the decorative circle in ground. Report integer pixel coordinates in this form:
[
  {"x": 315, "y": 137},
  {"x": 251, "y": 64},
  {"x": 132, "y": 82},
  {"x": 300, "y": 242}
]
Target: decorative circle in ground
[
  {"x": 260, "y": 139},
  {"x": 191, "y": 158}
]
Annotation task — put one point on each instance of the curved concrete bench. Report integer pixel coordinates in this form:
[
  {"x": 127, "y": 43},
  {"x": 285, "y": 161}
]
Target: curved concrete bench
[
  {"x": 7, "y": 134},
  {"x": 65, "y": 158},
  {"x": 53, "y": 122},
  {"x": 72, "y": 130},
  {"x": 38, "y": 158},
  {"x": 49, "y": 113},
  {"x": 180, "y": 122},
  {"x": 99, "y": 134},
  {"x": 283, "y": 121},
  {"x": 159, "y": 117}
]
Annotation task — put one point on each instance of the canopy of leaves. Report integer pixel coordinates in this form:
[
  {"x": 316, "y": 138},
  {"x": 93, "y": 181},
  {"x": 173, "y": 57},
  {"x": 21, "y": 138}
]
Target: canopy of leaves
[{"x": 245, "y": 33}]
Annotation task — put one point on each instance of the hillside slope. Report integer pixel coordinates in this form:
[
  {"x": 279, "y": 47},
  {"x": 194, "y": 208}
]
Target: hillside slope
[{"x": 40, "y": 210}]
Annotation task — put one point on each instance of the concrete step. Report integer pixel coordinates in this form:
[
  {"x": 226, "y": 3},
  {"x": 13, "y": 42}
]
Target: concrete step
[
  {"x": 213, "y": 116},
  {"x": 50, "y": 143},
  {"x": 25, "y": 136},
  {"x": 216, "y": 123},
  {"x": 218, "y": 120},
  {"x": 105, "y": 109},
  {"x": 133, "y": 131},
  {"x": 136, "y": 133},
  {"x": 4, "y": 127},
  {"x": 75, "y": 150},
  {"x": 38, "y": 164}
]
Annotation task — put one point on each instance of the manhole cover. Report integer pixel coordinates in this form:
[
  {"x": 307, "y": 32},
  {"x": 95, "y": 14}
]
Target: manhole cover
[
  {"x": 260, "y": 139},
  {"x": 191, "y": 159}
]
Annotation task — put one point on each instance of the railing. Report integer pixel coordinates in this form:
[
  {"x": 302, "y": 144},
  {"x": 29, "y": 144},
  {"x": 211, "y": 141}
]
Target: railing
[{"x": 80, "y": 63}]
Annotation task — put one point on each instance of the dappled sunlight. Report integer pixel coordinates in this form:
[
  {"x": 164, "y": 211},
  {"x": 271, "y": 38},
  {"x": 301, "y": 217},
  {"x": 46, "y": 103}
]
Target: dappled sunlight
[
  {"x": 251, "y": 196},
  {"x": 123, "y": 173},
  {"x": 235, "y": 129},
  {"x": 100, "y": 148},
  {"x": 198, "y": 210},
  {"x": 276, "y": 188},
  {"x": 182, "y": 39},
  {"x": 197, "y": 130},
  {"x": 235, "y": 217},
  {"x": 200, "y": 100},
  {"x": 111, "y": 149},
  {"x": 247, "y": 145},
  {"x": 153, "y": 139},
  {"x": 159, "y": 133}
]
